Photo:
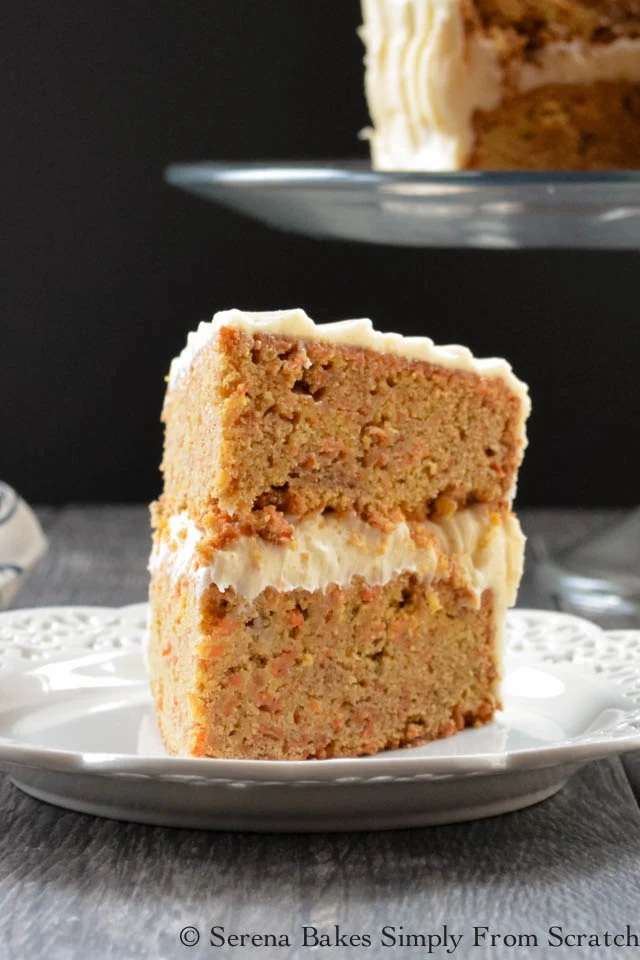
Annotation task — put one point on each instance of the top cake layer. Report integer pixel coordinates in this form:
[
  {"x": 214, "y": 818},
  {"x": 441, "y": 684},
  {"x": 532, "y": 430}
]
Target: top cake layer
[
  {"x": 454, "y": 83},
  {"x": 348, "y": 333},
  {"x": 269, "y": 417}
]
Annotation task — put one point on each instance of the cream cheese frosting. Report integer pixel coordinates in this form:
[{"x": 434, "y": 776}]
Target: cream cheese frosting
[
  {"x": 579, "y": 62},
  {"x": 426, "y": 76},
  {"x": 424, "y": 80},
  {"x": 355, "y": 333},
  {"x": 333, "y": 550}
]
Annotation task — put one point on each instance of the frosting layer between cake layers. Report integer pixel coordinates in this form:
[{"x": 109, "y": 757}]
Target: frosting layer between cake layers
[
  {"x": 333, "y": 550},
  {"x": 427, "y": 74}
]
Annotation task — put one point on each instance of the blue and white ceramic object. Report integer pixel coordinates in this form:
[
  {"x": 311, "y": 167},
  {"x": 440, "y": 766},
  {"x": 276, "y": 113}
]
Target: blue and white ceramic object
[{"x": 22, "y": 542}]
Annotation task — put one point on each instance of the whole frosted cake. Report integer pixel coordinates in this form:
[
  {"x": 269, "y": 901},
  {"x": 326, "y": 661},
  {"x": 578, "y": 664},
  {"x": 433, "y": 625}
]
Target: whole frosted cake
[
  {"x": 334, "y": 550},
  {"x": 503, "y": 84}
]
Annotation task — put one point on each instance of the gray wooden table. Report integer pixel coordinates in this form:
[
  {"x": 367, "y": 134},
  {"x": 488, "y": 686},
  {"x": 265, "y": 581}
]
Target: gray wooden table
[{"x": 75, "y": 886}]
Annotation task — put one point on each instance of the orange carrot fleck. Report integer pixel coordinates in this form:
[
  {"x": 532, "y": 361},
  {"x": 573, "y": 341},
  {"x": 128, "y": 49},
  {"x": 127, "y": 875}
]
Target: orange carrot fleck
[
  {"x": 281, "y": 663},
  {"x": 213, "y": 652},
  {"x": 227, "y": 706},
  {"x": 296, "y": 619}
]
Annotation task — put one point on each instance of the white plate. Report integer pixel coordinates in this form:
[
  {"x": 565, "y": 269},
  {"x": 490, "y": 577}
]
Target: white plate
[
  {"x": 347, "y": 200},
  {"x": 77, "y": 729}
]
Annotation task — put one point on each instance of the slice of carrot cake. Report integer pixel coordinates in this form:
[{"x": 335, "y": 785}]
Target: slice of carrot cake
[
  {"x": 334, "y": 550},
  {"x": 503, "y": 84}
]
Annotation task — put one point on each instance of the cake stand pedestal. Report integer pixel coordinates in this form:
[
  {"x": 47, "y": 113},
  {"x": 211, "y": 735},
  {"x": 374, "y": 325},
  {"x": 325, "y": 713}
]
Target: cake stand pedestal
[{"x": 600, "y": 576}]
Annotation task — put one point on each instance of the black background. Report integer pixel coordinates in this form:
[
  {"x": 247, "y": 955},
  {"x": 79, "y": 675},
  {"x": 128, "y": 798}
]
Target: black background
[{"x": 105, "y": 268}]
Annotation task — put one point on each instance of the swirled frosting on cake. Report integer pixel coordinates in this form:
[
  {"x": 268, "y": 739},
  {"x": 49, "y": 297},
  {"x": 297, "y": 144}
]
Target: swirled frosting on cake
[{"x": 427, "y": 73}]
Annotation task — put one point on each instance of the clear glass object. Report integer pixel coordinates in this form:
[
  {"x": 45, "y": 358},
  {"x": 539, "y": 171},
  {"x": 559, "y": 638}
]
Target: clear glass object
[
  {"x": 600, "y": 576},
  {"x": 349, "y": 201}
]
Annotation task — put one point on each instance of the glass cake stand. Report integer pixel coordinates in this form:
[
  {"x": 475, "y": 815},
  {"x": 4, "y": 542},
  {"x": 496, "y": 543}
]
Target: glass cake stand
[{"x": 347, "y": 200}]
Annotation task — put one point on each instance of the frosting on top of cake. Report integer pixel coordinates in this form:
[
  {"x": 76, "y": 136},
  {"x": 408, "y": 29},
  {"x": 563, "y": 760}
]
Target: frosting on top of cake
[
  {"x": 427, "y": 75},
  {"x": 330, "y": 549},
  {"x": 355, "y": 333}
]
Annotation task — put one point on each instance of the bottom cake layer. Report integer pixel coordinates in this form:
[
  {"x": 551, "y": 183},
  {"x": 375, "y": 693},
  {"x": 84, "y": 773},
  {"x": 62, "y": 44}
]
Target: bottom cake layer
[
  {"x": 345, "y": 671},
  {"x": 562, "y": 127}
]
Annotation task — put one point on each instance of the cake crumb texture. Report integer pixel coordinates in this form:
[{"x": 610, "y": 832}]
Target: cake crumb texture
[
  {"x": 562, "y": 127},
  {"x": 334, "y": 549},
  {"x": 344, "y": 672},
  {"x": 533, "y": 23},
  {"x": 269, "y": 422}
]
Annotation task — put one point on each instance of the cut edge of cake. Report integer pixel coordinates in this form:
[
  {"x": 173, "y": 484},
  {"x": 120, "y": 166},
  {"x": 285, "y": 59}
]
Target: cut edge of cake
[
  {"x": 335, "y": 634},
  {"x": 284, "y": 415}
]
